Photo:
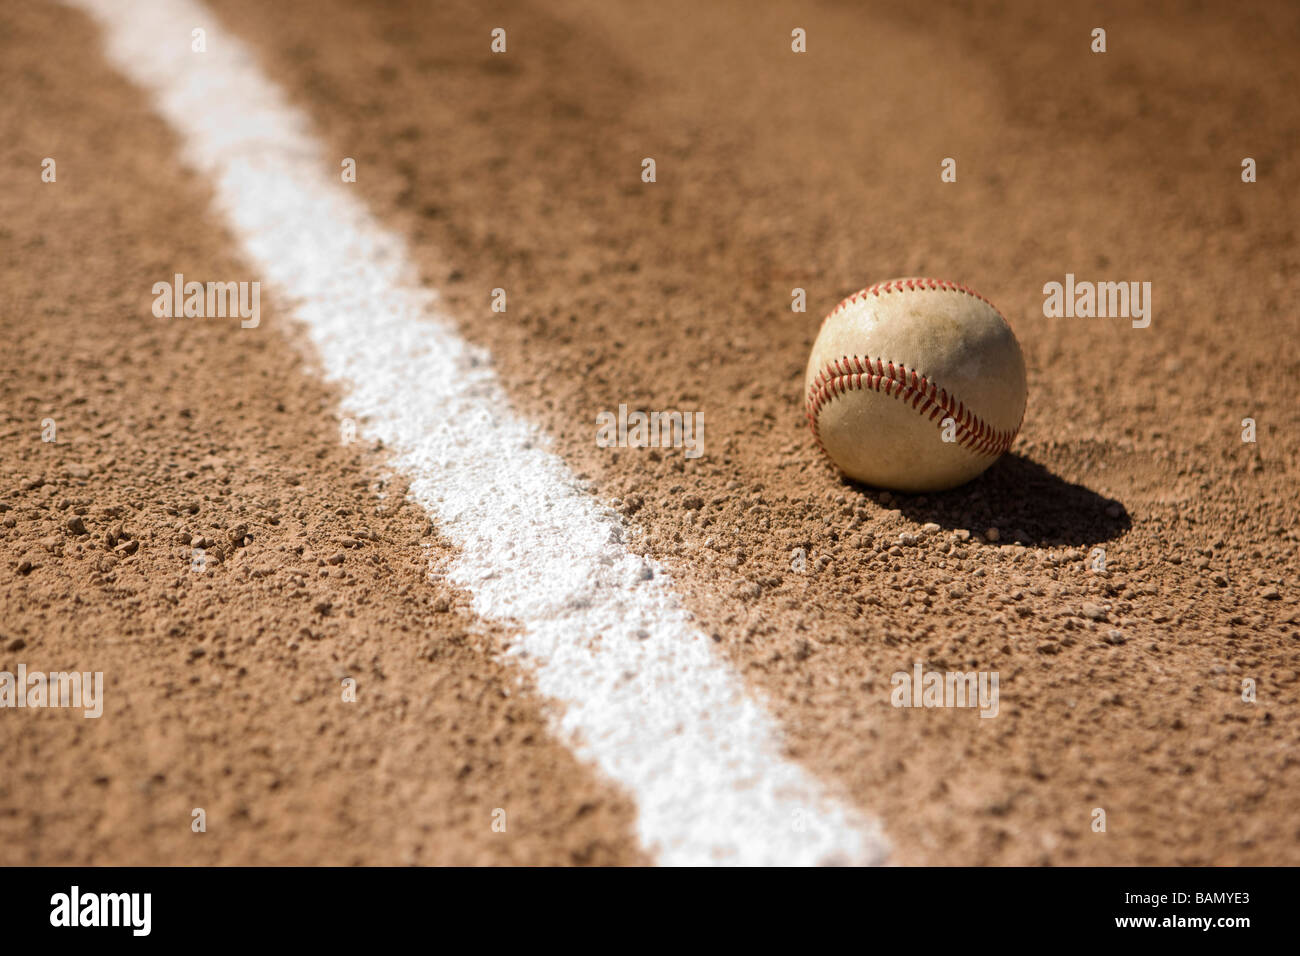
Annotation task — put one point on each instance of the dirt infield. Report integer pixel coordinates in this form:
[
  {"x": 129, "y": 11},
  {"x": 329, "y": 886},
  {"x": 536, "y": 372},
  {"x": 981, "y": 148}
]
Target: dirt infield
[{"x": 1127, "y": 570}]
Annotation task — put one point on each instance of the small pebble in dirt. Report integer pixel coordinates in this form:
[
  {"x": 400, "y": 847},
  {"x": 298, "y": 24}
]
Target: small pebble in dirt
[
  {"x": 992, "y": 534},
  {"x": 1094, "y": 612}
]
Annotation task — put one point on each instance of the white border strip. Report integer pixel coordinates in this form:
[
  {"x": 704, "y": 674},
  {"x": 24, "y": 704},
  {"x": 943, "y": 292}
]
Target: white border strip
[{"x": 645, "y": 697}]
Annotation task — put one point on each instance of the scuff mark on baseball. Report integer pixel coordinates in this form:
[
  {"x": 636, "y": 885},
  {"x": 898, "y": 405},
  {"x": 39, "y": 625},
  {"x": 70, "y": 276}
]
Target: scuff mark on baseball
[{"x": 915, "y": 385}]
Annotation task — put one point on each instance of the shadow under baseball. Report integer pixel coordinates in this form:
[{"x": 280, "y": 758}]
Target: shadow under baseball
[{"x": 1026, "y": 503}]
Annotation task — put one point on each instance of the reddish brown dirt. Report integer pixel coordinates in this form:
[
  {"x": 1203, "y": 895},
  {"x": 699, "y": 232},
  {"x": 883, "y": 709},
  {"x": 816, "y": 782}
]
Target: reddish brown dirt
[
  {"x": 223, "y": 688},
  {"x": 1121, "y": 690}
]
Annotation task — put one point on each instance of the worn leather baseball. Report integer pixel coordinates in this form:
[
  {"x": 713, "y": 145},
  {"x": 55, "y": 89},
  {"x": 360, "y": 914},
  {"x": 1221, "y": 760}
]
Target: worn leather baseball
[{"x": 915, "y": 385}]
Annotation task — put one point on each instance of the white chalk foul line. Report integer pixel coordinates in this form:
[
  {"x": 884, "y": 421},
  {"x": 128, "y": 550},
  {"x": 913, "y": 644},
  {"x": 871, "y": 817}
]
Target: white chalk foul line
[{"x": 645, "y": 698}]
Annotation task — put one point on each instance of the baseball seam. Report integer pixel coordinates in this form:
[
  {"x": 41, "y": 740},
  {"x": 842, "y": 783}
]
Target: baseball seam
[
  {"x": 909, "y": 285},
  {"x": 855, "y": 373}
]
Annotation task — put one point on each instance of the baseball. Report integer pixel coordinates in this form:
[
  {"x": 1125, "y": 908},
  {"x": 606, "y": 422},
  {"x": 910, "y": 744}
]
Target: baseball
[{"x": 915, "y": 385}]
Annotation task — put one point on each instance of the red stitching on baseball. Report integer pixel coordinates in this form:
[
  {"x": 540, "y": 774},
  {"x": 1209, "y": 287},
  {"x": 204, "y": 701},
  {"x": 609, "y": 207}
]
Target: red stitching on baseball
[
  {"x": 973, "y": 433},
  {"x": 909, "y": 285}
]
